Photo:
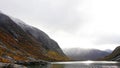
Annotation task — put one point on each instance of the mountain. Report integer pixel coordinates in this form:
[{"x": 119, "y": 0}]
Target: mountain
[
  {"x": 114, "y": 56},
  {"x": 21, "y": 42},
  {"x": 85, "y": 54}
]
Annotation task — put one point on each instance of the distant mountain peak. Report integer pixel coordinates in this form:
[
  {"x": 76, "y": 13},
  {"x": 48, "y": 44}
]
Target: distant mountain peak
[
  {"x": 114, "y": 56},
  {"x": 85, "y": 54}
]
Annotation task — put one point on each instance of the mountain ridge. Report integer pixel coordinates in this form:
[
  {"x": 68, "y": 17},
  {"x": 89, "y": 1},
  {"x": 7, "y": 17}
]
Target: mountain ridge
[
  {"x": 114, "y": 56},
  {"x": 79, "y": 54},
  {"x": 17, "y": 43}
]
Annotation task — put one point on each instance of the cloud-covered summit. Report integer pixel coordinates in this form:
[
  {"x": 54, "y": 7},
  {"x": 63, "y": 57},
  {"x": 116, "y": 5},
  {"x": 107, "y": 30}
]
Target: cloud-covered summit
[
  {"x": 83, "y": 22},
  {"x": 52, "y": 14}
]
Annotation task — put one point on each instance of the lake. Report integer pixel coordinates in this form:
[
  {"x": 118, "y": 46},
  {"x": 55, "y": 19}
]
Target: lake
[
  {"x": 80, "y": 64},
  {"x": 86, "y": 64}
]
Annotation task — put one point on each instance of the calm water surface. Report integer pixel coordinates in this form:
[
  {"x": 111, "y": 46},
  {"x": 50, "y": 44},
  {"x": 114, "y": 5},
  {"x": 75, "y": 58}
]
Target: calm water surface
[
  {"x": 81, "y": 64},
  {"x": 86, "y": 64}
]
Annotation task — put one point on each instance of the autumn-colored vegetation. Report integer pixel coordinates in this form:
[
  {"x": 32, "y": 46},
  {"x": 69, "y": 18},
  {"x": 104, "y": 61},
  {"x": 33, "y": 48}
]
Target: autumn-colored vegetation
[
  {"x": 19, "y": 49},
  {"x": 113, "y": 55},
  {"x": 16, "y": 44},
  {"x": 56, "y": 56}
]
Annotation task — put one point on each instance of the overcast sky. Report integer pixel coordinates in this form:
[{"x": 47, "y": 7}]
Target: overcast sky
[{"x": 72, "y": 23}]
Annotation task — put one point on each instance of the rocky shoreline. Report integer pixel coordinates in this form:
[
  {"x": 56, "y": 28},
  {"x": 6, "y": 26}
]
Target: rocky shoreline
[
  {"x": 41, "y": 62},
  {"x": 11, "y": 65},
  {"x": 22, "y": 64}
]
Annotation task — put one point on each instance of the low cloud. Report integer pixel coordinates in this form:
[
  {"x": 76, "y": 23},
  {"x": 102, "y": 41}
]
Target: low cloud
[
  {"x": 115, "y": 39},
  {"x": 53, "y": 14}
]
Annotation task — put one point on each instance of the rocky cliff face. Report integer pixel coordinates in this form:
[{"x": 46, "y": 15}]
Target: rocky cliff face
[
  {"x": 114, "y": 56},
  {"x": 21, "y": 42}
]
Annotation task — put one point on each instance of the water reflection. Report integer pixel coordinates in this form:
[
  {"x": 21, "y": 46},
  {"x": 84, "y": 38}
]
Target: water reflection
[
  {"x": 86, "y": 64},
  {"x": 39, "y": 66}
]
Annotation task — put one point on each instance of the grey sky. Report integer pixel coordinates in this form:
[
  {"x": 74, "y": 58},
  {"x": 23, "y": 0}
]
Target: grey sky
[
  {"x": 72, "y": 23},
  {"x": 53, "y": 14},
  {"x": 109, "y": 39}
]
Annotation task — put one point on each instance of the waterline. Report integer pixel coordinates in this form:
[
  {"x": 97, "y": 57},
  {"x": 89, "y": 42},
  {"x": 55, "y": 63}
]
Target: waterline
[{"x": 86, "y": 62}]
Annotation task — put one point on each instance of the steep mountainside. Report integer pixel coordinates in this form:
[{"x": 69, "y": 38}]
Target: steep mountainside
[
  {"x": 21, "y": 42},
  {"x": 85, "y": 54},
  {"x": 40, "y": 36},
  {"x": 114, "y": 56}
]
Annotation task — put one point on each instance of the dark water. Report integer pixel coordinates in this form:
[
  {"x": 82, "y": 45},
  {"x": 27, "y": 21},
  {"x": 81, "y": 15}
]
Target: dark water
[
  {"x": 39, "y": 66},
  {"x": 81, "y": 64}
]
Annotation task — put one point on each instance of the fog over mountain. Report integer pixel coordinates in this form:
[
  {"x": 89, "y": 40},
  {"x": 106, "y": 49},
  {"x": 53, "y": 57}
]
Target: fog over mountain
[
  {"x": 85, "y": 54},
  {"x": 88, "y": 22},
  {"x": 20, "y": 42}
]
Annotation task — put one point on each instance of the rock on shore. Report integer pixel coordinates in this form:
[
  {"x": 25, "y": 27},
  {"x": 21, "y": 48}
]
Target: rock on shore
[{"x": 8, "y": 65}]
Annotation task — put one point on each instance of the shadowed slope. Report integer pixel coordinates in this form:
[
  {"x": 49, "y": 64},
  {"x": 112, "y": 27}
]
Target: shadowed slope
[
  {"x": 21, "y": 43},
  {"x": 115, "y": 55}
]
